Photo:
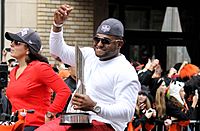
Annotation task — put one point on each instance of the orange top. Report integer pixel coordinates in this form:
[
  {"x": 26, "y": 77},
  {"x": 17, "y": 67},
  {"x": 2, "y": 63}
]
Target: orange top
[{"x": 64, "y": 73}]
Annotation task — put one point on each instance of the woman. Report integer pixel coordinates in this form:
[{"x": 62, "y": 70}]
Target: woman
[
  {"x": 144, "y": 114},
  {"x": 177, "y": 108},
  {"x": 160, "y": 105},
  {"x": 32, "y": 80},
  {"x": 190, "y": 75}
]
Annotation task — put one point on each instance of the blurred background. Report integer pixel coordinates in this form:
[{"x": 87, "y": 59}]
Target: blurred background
[{"x": 168, "y": 30}]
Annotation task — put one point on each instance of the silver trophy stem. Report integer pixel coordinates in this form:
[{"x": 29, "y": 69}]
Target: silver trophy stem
[{"x": 77, "y": 117}]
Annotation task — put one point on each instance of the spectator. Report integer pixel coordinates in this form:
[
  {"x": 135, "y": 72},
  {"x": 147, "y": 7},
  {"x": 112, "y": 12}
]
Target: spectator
[
  {"x": 5, "y": 69},
  {"x": 145, "y": 75},
  {"x": 63, "y": 71},
  {"x": 160, "y": 104},
  {"x": 71, "y": 79},
  {"x": 177, "y": 107},
  {"x": 144, "y": 114},
  {"x": 190, "y": 75},
  {"x": 4, "y": 57}
]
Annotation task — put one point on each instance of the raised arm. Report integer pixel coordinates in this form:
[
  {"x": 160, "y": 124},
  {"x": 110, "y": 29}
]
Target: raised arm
[{"x": 60, "y": 16}]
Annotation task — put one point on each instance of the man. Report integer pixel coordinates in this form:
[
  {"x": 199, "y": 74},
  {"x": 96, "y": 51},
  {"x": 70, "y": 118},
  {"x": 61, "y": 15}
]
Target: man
[{"x": 110, "y": 80}]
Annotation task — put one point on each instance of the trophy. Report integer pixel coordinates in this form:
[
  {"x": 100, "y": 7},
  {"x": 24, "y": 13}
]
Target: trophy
[{"x": 77, "y": 117}]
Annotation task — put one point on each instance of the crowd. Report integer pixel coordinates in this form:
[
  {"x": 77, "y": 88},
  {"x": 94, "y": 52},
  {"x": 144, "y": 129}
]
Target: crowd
[
  {"x": 167, "y": 100},
  {"x": 119, "y": 95}
]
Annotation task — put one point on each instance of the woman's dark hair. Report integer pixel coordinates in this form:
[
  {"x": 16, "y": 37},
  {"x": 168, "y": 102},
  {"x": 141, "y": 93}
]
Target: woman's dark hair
[
  {"x": 174, "y": 102},
  {"x": 36, "y": 56}
]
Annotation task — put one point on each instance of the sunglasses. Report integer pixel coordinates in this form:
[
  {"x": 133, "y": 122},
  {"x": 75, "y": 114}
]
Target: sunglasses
[
  {"x": 103, "y": 40},
  {"x": 16, "y": 42}
]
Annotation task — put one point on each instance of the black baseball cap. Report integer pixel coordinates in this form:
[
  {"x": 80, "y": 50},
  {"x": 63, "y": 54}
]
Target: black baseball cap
[
  {"x": 111, "y": 26},
  {"x": 28, "y": 36}
]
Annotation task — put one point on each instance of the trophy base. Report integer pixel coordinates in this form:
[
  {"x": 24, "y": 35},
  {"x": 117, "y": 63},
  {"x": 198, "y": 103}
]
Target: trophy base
[{"x": 75, "y": 119}]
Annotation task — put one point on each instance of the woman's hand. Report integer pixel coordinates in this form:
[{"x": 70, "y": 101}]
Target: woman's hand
[
  {"x": 195, "y": 99},
  {"x": 142, "y": 106},
  {"x": 168, "y": 122},
  {"x": 154, "y": 113}
]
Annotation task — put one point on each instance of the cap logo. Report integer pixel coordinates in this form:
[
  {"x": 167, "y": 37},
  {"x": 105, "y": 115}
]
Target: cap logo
[
  {"x": 105, "y": 28},
  {"x": 24, "y": 31},
  {"x": 30, "y": 42}
]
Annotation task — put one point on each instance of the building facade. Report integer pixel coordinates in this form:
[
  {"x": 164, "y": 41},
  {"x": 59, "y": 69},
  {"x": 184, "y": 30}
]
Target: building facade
[
  {"x": 38, "y": 14},
  {"x": 143, "y": 22}
]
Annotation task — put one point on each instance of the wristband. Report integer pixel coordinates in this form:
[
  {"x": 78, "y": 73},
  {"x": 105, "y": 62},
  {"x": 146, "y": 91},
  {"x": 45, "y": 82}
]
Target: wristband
[{"x": 57, "y": 25}]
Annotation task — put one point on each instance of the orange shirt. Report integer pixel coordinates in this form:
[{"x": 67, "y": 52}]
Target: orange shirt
[{"x": 64, "y": 73}]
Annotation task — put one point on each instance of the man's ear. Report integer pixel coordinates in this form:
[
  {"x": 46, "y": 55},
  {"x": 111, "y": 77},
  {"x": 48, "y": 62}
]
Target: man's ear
[{"x": 120, "y": 43}]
